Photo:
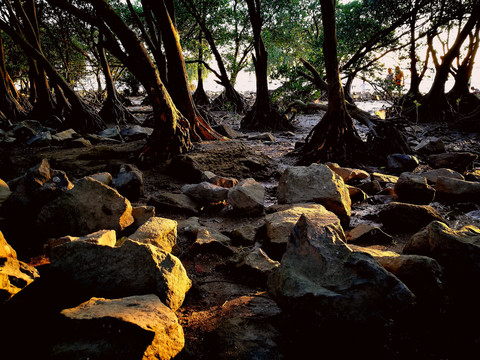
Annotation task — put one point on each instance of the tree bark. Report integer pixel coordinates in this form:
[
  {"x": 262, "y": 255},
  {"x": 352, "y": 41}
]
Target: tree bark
[
  {"x": 262, "y": 116},
  {"x": 334, "y": 138}
]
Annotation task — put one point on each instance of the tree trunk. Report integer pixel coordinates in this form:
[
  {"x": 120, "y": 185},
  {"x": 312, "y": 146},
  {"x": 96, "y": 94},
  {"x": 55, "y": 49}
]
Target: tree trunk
[
  {"x": 9, "y": 105},
  {"x": 434, "y": 105},
  {"x": 230, "y": 93},
  {"x": 177, "y": 75},
  {"x": 262, "y": 116},
  {"x": 200, "y": 97},
  {"x": 113, "y": 110},
  {"x": 334, "y": 138}
]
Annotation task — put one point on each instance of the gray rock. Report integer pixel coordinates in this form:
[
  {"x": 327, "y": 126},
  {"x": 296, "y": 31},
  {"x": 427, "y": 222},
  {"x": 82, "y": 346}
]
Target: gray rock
[
  {"x": 384, "y": 178},
  {"x": 366, "y": 234},
  {"x": 253, "y": 266},
  {"x": 65, "y": 135},
  {"x": 433, "y": 175},
  {"x": 403, "y": 218},
  {"x": 400, "y": 163},
  {"x": 172, "y": 202},
  {"x": 262, "y": 136},
  {"x": 371, "y": 187},
  {"x": 157, "y": 231},
  {"x": 205, "y": 193},
  {"x": 244, "y": 235},
  {"x": 414, "y": 189},
  {"x": 247, "y": 197},
  {"x": 423, "y": 276},
  {"x": 88, "y": 207},
  {"x": 135, "y": 132},
  {"x": 226, "y": 182},
  {"x": 211, "y": 242},
  {"x": 42, "y": 138},
  {"x": 321, "y": 278},
  {"x": 315, "y": 183},
  {"x": 458, "y": 161},
  {"x": 130, "y": 269},
  {"x": 455, "y": 190},
  {"x": 458, "y": 252},
  {"x": 430, "y": 145},
  {"x": 100, "y": 328},
  {"x": 129, "y": 182},
  {"x": 280, "y": 224}
]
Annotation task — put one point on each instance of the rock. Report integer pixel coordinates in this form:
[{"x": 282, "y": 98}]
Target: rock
[
  {"x": 248, "y": 331},
  {"x": 253, "y": 266},
  {"x": 157, "y": 231},
  {"x": 315, "y": 183},
  {"x": 189, "y": 226},
  {"x": 102, "y": 237},
  {"x": 227, "y": 131},
  {"x": 455, "y": 190},
  {"x": 130, "y": 269},
  {"x": 403, "y": 218},
  {"x": 414, "y": 189},
  {"x": 458, "y": 161},
  {"x": 458, "y": 252},
  {"x": 244, "y": 235},
  {"x": 15, "y": 275},
  {"x": 472, "y": 175},
  {"x": 348, "y": 174},
  {"x": 104, "y": 177},
  {"x": 171, "y": 202},
  {"x": 100, "y": 329},
  {"x": 88, "y": 207},
  {"x": 433, "y": 175},
  {"x": 42, "y": 138},
  {"x": 226, "y": 182},
  {"x": 430, "y": 145},
  {"x": 384, "y": 178},
  {"x": 4, "y": 191},
  {"x": 247, "y": 197},
  {"x": 27, "y": 129},
  {"x": 280, "y": 224},
  {"x": 400, "y": 163},
  {"x": 186, "y": 168},
  {"x": 211, "y": 242},
  {"x": 356, "y": 194},
  {"x": 373, "y": 251},
  {"x": 320, "y": 278},
  {"x": 111, "y": 133},
  {"x": 141, "y": 214},
  {"x": 262, "y": 136},
  {"x": 129, "y": 182},
  {"x": 205, "y": 193},
  {"x": 423, "y": 276},
  {"x": 135, "y": 132},
  {"x": 65, "y": 135},
  {"x": 366, "y": 234},
  {"x": 371, "y": 187}
]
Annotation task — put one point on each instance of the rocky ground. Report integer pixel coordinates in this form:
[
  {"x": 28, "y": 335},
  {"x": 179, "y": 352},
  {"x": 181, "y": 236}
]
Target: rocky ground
[{"x": 227, "y": 314}]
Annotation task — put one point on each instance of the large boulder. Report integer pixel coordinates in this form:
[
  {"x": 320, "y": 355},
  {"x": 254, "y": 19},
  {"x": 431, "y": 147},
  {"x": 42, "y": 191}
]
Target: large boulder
[
  {"x": 404, "y": 218},
  {"x": 457, "y": 251},
  {"x": 279, "y": 225},
  {"x": 101, "y": 328},
  {"x": 456, "y": 190},
  {"x": 247, "y": 197},
  {"x": 320, "y": 277},
  {"x": 315, "y": 183},
  {"x": 414, "y": 189},
  {"x": 88, "y": 207},
  {"x": 15, "y": 275},
  {"x": 131, "y": 269},
  {"x": 157, "y": 231}
]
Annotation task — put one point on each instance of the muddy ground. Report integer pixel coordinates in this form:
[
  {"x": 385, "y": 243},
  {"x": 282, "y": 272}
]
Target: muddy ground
[{"x": 217, "y": 294}]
